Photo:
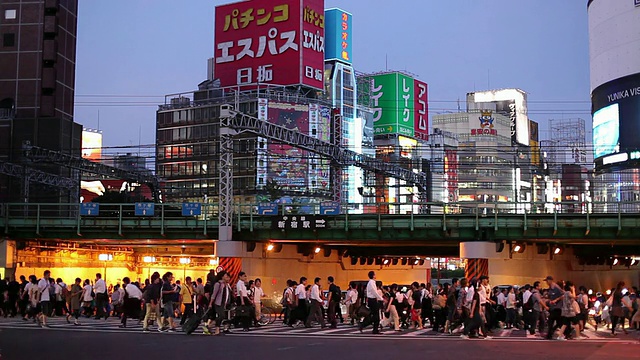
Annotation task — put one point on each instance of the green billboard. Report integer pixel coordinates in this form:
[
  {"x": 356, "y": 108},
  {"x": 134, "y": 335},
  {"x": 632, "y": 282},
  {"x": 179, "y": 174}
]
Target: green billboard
[{"x": 392, "y": 100}]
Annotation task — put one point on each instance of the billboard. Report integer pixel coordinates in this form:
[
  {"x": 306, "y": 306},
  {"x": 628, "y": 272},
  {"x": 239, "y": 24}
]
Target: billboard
[
  {"x": 319, "y": 128},
  {"x": 508, "y": 102},
  {"x": 338, "y": 35},
  {"x": 92, "y": 144},
  {"x": 288, "y": 165},
  {"x": 421, "y": 108},
  {"x": 279, "y": 42},
  {"x": 616, "y": 119},
  {"x": 393, "y": 104}
]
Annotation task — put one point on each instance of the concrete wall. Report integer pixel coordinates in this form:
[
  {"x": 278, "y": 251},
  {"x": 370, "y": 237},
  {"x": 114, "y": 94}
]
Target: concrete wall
[
  {"x": 273, "y": 268},
  {"x": 529, "y": 267}
]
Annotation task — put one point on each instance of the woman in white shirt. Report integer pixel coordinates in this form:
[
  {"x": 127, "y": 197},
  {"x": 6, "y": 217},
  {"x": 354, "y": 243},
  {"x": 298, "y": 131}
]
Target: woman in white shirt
[
  {"x": 511, "y": 307},
  {"x": 87, "y": 298}
]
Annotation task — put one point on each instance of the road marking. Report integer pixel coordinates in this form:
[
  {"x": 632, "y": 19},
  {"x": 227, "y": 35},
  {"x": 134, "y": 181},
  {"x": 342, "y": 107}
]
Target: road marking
[{"x": 416, "y": 333}]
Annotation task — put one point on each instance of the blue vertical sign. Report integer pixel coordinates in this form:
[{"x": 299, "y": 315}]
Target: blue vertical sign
[
  {"x": 89, "y": 209},
  {"x": 329, "y": 208},
  {"x": 338, "y": 35},
  {"x": 268, "y": 209},
  {"x": 145, "y": 209},
  {"x": 191, "y": 209}
]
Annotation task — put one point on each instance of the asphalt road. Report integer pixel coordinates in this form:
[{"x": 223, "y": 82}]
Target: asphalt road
[{"x": 53, "y": 344}]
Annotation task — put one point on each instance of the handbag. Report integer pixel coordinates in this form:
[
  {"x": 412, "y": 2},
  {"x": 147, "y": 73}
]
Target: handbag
[{"x": 243, "y": 311}]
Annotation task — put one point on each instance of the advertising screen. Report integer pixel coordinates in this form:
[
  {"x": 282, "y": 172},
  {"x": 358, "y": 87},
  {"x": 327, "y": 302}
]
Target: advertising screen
[
  {"x": 606, "y": 130},
  {"x": 393, "y": 104},
  {"x": 288, "y": 165},
  {"x": 338, "y": 34},
  {"x": 616, "y": 120},
  {"x": 92, "y": 145},
  {"x": 279, "y": 42}
]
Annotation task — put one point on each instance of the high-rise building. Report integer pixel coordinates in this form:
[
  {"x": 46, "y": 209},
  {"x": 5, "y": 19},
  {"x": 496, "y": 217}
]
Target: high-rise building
[
  {"x": 614, "y": 46},
  {"x": 37, "y": 80}
]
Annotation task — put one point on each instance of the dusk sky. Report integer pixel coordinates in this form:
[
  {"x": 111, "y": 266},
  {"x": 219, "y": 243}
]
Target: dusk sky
[{"x": 132, "y": 53}]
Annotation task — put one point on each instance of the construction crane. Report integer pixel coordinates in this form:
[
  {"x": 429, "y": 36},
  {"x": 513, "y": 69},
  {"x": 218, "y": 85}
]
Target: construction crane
[
  {"x": 233, "y": 122},
  {"x": 38, "y": 154}
]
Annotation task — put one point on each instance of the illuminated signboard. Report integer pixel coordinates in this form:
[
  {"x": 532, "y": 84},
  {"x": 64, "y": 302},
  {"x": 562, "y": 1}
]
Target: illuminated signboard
[
  {"x": 338, "y": 35},
  {"x": 279, "y": 42},
  {"x": 392, "y": 97},
  {"x": 91, "y": 144},
  {"x": 421, "y": 109},
  {"x": 511, "y": 103}
]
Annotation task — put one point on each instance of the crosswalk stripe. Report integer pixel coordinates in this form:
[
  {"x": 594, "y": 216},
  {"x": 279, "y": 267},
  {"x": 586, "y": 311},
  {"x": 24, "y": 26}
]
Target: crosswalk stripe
[{"x": 343, "y": 331}]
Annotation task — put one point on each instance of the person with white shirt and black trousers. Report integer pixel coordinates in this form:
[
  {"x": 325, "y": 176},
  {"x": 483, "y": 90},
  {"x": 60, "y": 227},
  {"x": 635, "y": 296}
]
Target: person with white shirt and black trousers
[
  {"x": 45, "y": 299},
  {"x": 300, "y": 312},
  {"x": 373, "y": 303},
  {"x": 102, "y": 297},
  {"x": 316, "y": 305},
  {"x": 131, "y": 303},
  {"x": 243, "y": 300}
]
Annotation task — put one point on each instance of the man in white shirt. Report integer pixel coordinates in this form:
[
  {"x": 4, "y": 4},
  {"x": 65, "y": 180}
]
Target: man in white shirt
[
  {"x": 45, "y": 298},
  {"x": 485, "y": 300},
  {"x": 373, "y": 298},
  {"x": 102, "y": 298},
  {"x": 300, "y": 312},
  {"x": 258, "y": 294},
  {"x": 316, "y": 305},
  {"x": 132, "y": 300},
  {"x": 350, "y": 302}
]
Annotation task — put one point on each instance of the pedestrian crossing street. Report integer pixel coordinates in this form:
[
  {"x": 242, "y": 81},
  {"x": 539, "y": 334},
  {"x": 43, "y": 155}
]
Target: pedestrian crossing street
[{"x": 343, "y": 331}]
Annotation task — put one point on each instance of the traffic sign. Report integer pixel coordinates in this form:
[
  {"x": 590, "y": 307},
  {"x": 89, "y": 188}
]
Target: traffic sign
[
  {"x": 89, "y": 209},
  {"x": 191, "y": 209},
  {"x": 321, "y": 223},
  {"x": 299, "y": 222},
  {"x": 268, "y": 209},
  {"x": 145, "y": 209},
  {"x": 329, "y": 208}
]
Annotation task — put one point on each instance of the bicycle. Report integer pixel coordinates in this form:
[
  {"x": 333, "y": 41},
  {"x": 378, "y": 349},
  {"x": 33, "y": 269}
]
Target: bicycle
[{"x": 267, "y": 316}]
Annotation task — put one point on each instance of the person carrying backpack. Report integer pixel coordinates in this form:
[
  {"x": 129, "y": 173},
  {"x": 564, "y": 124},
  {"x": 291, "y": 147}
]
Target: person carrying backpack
[{"x": 335, "y": 296}]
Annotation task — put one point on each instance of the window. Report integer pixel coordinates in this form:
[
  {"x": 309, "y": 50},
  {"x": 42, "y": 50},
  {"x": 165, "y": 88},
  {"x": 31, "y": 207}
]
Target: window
[
  {"x": 10, "y": 14},
  {"x": 9, "y": 40}
]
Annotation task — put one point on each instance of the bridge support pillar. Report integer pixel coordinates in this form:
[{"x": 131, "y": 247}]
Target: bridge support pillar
[
  {"x": 7, "y": 258},
  {"x": 230, "y": 255},
  {"x": 477, "y": 254}
]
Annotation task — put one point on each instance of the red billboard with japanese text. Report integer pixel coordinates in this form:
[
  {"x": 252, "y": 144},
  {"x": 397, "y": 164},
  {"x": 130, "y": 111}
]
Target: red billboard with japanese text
[
  {"x": 278, "y": 42},
  {"x": 421, "y": 108}
]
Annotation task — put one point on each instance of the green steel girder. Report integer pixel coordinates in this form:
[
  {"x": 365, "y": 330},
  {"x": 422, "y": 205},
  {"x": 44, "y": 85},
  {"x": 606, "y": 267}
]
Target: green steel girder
[{"x": 374, "y": 228}]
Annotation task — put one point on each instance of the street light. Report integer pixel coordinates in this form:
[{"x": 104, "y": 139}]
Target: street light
[
  {"x": 184, "y": 261},
  {"x": 270, "y": 247},
  {"x": 149, "y": 260},
  {"x": 105, "y": 258},
  {"x": 317, "y": 250}
]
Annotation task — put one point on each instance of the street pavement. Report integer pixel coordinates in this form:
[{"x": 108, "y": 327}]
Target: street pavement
[{"x": 103, "y": 339}]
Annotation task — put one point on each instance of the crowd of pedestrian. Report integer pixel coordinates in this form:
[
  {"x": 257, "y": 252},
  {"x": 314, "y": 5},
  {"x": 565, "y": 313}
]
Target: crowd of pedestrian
[{"x": 466, "y": 307}]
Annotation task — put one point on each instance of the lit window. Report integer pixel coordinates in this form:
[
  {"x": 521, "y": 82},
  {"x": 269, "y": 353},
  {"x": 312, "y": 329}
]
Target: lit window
[{"x": 10, "y": 14}]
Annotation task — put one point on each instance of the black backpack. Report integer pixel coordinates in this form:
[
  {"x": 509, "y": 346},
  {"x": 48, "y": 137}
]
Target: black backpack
[
  {"x": 529, "y": 304},
  {"x": 337, "y": 294}
]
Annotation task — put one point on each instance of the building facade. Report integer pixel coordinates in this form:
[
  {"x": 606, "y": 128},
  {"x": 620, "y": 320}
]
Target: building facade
[
  {"x": 37, "y": 80},
  {"x": 614, "y": 46}
]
